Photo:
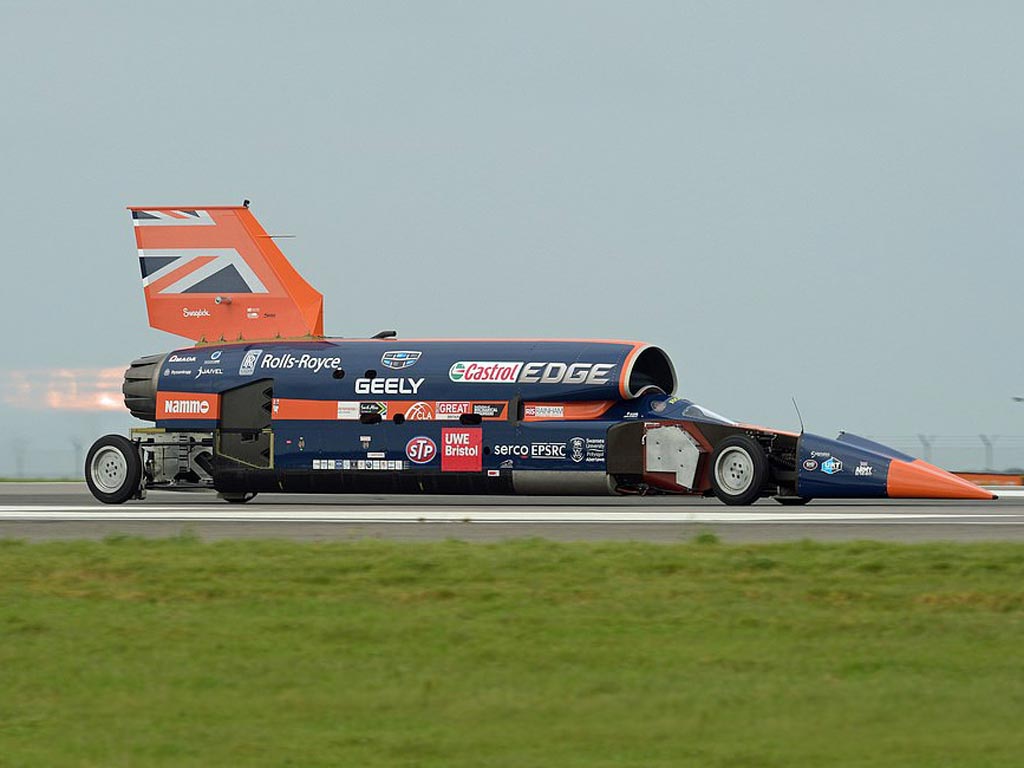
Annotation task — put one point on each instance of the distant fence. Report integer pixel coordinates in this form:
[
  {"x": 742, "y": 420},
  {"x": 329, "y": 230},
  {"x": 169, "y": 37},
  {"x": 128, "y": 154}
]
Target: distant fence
[{"x": 995, "y": 453}]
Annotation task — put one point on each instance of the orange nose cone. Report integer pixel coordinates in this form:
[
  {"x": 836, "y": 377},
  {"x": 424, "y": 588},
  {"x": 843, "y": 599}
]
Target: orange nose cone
[{"x": 920, "y": 480}]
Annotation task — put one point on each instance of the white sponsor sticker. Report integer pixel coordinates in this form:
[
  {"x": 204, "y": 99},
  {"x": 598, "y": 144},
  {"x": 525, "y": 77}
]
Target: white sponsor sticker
[{"x": 348, "y": 410}]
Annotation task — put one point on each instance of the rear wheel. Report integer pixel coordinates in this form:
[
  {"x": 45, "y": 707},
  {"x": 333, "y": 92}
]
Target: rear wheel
[
  {"x": 739, "y": 470},
  {"x": 113, "y": 469}
]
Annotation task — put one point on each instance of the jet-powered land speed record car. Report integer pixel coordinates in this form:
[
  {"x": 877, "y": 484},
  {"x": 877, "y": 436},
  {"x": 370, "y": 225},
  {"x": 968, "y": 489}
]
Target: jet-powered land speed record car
[{"x": 264, "y": 402}]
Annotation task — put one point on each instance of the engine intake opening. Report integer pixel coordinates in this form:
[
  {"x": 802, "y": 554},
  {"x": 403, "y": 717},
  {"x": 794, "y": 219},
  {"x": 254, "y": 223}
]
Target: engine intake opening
[{"x": 650, "y": 371}]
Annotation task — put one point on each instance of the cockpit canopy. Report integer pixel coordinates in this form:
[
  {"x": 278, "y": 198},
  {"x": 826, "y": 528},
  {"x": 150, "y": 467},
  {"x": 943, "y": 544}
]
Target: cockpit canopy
[{"x": 665, "y": 406}]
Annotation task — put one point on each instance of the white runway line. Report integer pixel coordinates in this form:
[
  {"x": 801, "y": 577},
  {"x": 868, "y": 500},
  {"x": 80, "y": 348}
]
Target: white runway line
[{"x": 484, "y": 515}]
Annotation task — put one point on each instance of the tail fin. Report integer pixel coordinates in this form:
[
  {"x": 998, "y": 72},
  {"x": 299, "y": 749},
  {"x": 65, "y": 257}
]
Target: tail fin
[{"x": 214, "y": 274}]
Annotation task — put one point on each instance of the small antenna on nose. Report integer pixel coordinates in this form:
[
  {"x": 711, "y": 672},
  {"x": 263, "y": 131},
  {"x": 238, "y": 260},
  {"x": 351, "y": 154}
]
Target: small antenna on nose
[{"x": 801, "y": 418}]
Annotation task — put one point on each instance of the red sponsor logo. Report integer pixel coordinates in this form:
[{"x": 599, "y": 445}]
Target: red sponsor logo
[
  {"x": 492, "y": 372},
  {"x": 420, "y": 450},
  {"x": 461, "y": 450},
  {"x": 451, "y": 411},
  {"x": 186, "y": 405}
]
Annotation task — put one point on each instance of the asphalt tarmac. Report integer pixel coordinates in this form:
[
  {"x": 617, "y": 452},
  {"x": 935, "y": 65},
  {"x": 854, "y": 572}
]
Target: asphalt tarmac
[{"x": 48, "y": 511}]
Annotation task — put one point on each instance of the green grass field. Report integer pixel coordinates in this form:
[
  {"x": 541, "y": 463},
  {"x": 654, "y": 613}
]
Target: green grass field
[{"x": 528, "y": 653}]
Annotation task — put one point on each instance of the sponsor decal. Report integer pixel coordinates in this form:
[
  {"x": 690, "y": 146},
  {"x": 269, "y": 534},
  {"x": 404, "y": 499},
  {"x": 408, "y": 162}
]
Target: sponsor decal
[
  {"x": 248, "y": 366},
  {"x": 507, "y": 464},
  {"x": 493, "y": 473},
  {"x": 209, "y": 370},
  {"x": 632, "y": 415},
  {"x": 391, "y": 386},
  {"x": 810, "y": 464},
  {"x": 820, "y": 454},
  {"x": 420, "y": 412},
  {"x": 511, "y": 372},
  {"x": 399, "y": 359},
  {"x": 577, "y": 449},
  {"x": 484, "y": 372},
  {"x": 343, "y": 464},
  {"x": 461, "y": 450},
  {"x": 186, "y": 312},
  {"x": 389, "y": 465},
  {"x": 186, "y": 405},
  {"x": 200, "y": 407},
  {"x": 421, "y": 450},
  {"x": 181, "y": 359},
  {"x": 511, "y": 450},
  {"x": 215, "y": 356},
  {"x": 304, "y": 362},
  {"x": 489, "y": 410},
  {"x": 864, "y": 470},
  {"x": 451, "y": 411},
  {"x": 832, "y": 466},
  {"x": 547, "y": 450},
  {"x": 252, "y": 313},
  {"x": 562, "y": 373},
  {"x": 545, "y": 411},
  {"x": 177, "y": 371},
  {"x": 348, "y": 410},
  {"x": 371, "y": 408},
  {"x": 376, "y": 455}
]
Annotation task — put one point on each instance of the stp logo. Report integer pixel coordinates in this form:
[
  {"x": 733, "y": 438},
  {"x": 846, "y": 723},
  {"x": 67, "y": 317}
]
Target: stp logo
[{"x": 420, "y": 450}]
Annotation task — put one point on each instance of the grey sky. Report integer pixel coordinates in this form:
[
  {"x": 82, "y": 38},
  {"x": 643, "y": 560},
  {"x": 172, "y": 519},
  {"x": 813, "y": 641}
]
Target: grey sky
[{"x": 810, "y": 199}]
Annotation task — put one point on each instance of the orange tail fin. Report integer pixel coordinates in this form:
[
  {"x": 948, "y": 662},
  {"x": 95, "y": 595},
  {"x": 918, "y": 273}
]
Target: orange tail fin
[{"x": 214, "y": 274}]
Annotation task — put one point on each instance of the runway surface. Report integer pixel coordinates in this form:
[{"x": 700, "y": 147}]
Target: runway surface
[{"x": 42, "y": 511}]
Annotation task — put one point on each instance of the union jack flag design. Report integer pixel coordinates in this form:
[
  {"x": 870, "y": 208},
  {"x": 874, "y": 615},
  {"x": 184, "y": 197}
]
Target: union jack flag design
[{"x": 196, "y": 261}]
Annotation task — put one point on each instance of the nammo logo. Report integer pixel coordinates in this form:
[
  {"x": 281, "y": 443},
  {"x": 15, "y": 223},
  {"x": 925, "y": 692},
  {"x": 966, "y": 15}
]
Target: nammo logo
[{"x": 196, "y": 407}]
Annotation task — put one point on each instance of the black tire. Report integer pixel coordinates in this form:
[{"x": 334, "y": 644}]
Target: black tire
[
  {"x": 739, "y": 470},
  {"x": 113, "y": 469},
  {"x": 792, "y": 501},
  {"x": 238, "y": 498}
]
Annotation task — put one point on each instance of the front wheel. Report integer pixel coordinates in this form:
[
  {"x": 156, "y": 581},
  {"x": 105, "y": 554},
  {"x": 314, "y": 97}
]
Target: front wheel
[
  {"x": 113, "y": 469},
  {"x": 739, "y": 470}
]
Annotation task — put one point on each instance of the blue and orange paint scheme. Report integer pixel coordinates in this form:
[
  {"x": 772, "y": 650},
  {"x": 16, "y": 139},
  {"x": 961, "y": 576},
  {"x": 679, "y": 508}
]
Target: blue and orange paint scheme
[{"x": 262, "y": 401}]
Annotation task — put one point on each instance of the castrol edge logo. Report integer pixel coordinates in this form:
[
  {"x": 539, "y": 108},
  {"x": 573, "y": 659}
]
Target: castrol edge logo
[
  {"x": 490, "y": 372},
  {"x": 530, "y": 373},
  {"x": 186, "y": 405}
]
